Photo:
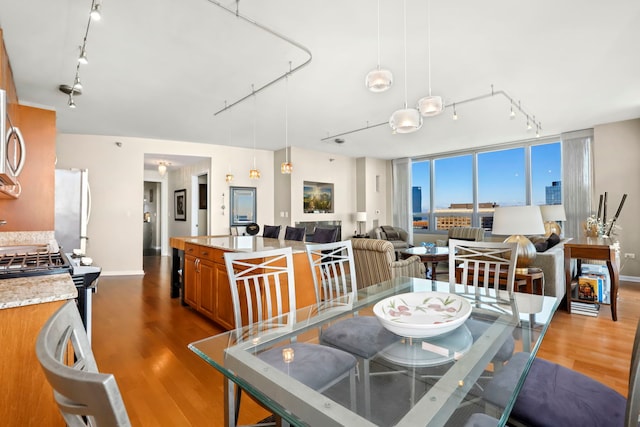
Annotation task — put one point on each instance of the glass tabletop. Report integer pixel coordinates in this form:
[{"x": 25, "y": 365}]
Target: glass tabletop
[{"x": 434, "y": 381}]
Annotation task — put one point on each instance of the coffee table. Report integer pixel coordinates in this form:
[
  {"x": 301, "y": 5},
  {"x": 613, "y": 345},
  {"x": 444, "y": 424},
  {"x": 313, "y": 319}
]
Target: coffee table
[{"x": 429, "y": 256}]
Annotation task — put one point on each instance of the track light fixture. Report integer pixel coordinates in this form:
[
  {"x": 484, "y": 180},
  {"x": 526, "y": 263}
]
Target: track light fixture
[
  {"x": 405, "y": 120},
  {"x": 430, "y": 105},
  {"x": 379, "y": 79},
  {"x": 95, "y": 14}
]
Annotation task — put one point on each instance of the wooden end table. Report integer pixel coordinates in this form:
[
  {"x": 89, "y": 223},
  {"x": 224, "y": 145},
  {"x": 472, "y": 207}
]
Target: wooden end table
[
  {"x": 596, "y": 248},
  {"x": 532, "y": 281},
  {"x": 429, "y": 256}
]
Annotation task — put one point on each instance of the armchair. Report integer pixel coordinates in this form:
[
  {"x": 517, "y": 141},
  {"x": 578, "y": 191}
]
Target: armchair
[
  {"x": 396, "y": 235},
  {"x": 375, "y": 262}
]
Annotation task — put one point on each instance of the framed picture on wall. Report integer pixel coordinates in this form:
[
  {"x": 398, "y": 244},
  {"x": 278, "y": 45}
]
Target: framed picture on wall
[
  {"x": 180, "y": 203},
  {"x": 317, "y": 197}
]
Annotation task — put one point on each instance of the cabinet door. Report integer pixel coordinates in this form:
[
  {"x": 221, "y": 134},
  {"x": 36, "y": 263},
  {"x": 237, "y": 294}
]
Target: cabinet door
[
  {"x": 224, "y": 306},
  {"x": 190, "y": 280},
  {"x": 207, "y": 295}
]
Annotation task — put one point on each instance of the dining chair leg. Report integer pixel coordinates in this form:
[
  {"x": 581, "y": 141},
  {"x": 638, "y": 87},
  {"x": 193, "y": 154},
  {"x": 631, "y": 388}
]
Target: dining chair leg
[
  {"x": 352, "y": 389},
  {"x": 367, "y": 388}
]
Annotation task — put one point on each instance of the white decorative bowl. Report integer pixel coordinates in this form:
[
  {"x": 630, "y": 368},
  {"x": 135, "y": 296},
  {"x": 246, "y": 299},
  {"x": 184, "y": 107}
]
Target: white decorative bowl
[{"x": 422, "y": 314}]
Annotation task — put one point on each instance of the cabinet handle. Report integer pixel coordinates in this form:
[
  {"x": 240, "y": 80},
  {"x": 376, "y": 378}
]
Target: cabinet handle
[{"x": 205, "y": 253}]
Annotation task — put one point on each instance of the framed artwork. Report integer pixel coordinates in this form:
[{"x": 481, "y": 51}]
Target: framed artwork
[
  {"x": 317, "y": 197},
  {"x": 243, "y": 206},
  {"x": 180, "y": 203}
]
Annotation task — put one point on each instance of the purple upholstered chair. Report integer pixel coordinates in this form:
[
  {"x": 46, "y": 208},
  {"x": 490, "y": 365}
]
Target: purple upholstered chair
[{"x": 553, "y": 395}]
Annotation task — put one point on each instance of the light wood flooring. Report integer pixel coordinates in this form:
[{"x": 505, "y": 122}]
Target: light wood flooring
[{"x": 140, "y": 334}]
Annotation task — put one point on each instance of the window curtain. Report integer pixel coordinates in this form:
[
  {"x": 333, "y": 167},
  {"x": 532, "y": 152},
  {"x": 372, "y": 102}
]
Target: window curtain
[
  {"x": 402, "y": 209},
  {"x": 577, "y": 179}
]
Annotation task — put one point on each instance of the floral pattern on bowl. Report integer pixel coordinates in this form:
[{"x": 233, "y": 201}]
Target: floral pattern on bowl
[{"x": 422, "y": 314}]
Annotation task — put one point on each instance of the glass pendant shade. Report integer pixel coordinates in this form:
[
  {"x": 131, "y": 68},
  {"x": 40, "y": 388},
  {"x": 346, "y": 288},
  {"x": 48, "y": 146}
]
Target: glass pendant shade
[
  {"x": 430, "y": 106},
  {"x": 379, "y": 80},
  {"x": 254, "y": 174},
  {"x": 162, "y": 169},
  {"x": 286, "y": 167},
  {"x": 406, "y": 120}
]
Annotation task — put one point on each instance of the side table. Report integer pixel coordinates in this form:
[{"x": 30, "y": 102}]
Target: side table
[
  {"x": 596, "y": 248},
  {"x": 429, "y": 256},
  {"x": 532, "y": 281}
]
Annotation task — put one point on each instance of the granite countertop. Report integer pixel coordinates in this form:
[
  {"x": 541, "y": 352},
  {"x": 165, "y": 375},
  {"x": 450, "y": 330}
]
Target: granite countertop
[
  {"x": 245, "y": 243},
  {"x": 33, "y": 289},
  {"x": 36, "y": 290}
]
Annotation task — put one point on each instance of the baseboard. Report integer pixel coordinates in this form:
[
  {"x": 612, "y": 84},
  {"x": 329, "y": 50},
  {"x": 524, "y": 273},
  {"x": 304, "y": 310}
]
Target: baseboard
[
  {"x": 123, "y": 273},
  {"x": 630, "y": 279}
]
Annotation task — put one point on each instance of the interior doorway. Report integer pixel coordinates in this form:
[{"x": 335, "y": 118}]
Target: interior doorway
[
  {"x": 151, "y": 220},
  {"x": 201, "y": 205}
]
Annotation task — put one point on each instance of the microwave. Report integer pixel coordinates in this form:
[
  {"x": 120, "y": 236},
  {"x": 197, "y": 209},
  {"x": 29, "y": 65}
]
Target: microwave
[{"x": 12, "y": 148}]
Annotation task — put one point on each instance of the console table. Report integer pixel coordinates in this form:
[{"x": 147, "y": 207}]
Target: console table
[{"x": 594, "y": 248}]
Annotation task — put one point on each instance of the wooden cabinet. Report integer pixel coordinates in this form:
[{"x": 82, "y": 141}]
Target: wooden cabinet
[{"x": 206, "y": 283}]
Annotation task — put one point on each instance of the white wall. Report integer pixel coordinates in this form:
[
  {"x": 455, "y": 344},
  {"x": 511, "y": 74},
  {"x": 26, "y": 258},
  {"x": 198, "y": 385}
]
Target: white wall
[
  {"x": 616, "y": 155},
  {"x": 117, "y": 176}
]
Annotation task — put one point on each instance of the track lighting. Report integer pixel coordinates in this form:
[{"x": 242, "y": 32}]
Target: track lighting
[
  {"x": 71, "y": 103},
  {"x": 96, "y": 14},
  {"x": 455, "y": 114},
  {"x": 379, "y": 79},
  {"x": 83, "y": 56},
  {"x": 512, "y": 114}
]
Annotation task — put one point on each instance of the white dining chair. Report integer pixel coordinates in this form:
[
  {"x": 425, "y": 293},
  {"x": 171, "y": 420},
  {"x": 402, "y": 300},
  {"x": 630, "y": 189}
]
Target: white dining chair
[
  {"x": 334, "y": 278},
  {"x": 488, "y": 268},
  {"x": 84, "y": 396},
  {"x": 263, "y": 293}
]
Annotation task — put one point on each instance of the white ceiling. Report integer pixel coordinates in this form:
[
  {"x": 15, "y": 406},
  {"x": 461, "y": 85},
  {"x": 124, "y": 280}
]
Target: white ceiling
[{"x": 162, "y": 68}]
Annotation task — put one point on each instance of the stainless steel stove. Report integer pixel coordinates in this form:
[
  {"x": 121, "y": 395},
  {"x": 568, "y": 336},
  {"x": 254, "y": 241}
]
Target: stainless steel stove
[{"x": 32, "y": 261}]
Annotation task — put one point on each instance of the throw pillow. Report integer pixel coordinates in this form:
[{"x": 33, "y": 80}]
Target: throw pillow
[
  {"x": 390, "y": 232},
  {"x": 553, "y": 240},
  {"x": 541, "y": 246}
]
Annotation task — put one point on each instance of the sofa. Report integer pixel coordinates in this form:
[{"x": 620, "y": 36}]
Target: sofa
[
  {"x": 551, "y": 261},
  {"x": 375, "y": 262},
  {"x": 475, "y": 234}
]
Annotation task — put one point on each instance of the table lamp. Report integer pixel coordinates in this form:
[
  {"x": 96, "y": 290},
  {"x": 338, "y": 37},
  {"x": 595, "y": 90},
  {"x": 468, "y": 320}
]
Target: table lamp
[
  {"x": 360, "y": 218},
  {"x": 516, "y": 221},
  {"x": 551, "y": 214}
]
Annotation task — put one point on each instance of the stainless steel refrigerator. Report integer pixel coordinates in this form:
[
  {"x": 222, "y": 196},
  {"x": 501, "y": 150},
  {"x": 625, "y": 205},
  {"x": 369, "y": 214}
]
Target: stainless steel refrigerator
[{"x": 73, "y": 209}]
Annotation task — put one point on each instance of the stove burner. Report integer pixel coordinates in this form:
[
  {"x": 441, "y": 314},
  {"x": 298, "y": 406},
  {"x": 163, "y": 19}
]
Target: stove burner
[{"x": 36, "y": 263}]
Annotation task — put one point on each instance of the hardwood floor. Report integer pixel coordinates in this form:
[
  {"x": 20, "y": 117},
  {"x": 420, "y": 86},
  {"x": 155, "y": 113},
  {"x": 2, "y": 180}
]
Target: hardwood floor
[{"x": 140, "y": 335}]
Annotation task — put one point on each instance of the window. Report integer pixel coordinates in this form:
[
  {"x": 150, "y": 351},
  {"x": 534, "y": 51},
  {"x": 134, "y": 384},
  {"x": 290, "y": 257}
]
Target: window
[
  {"x": 546, "y": 174},
  {"x": 466, "y": 188},
  {"x": 453, "y": 192},
  {"x": 421, "y": 194}
]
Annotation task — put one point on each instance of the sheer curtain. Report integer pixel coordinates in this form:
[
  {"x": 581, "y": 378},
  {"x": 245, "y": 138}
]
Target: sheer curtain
[
  {"x": 577, "y": 179},
  {"x": 402, "y": 214}
]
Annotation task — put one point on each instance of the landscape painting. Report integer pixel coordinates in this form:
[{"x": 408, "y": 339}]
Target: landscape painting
[{"x": 318, "y": 197}]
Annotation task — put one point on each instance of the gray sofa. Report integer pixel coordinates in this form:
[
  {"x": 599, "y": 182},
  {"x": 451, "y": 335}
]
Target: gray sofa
[{"x": 551, "y": 262}]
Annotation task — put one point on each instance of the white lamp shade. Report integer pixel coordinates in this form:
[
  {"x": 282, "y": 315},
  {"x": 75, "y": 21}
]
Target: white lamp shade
[
  {"x": 553, "y": 213},
  {"x": 406, "y": 120},
  {"x": 522, "y": 220},
  {"x": 361, "y": 217},
  {"x": 379, "y": 80},
  {"x": 430, "y": 106}
]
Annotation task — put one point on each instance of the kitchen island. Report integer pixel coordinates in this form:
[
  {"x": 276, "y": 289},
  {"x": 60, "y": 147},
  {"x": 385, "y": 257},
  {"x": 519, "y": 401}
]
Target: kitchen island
[
  {"x": 25, "y": 305},
  {"x": 205, "y": 281}
]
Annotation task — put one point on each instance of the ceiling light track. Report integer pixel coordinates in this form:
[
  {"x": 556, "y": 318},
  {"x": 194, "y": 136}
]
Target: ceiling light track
[
  {"x": 76, "y": 88},
  {"x": 273, "y": 33},
  {"x": 531, "y": 119}
]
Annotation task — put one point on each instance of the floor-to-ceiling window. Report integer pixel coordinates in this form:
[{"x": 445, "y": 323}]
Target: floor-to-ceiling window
[{"x": 463, "y": 189}]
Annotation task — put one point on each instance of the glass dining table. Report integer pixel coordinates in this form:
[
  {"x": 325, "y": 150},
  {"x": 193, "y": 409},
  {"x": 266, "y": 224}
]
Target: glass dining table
[{"x": 436, "y": 381}]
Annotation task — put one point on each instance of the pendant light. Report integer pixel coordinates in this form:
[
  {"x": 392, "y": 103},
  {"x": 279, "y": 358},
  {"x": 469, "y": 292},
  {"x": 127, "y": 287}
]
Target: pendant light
[
  {"x": 429, "y": 105},
  {"x": 286, "y": 167},
  {"x": 254, "y": 173},
  {"x": 379, "y": 79},
  {"x": 405, "y": 120}
]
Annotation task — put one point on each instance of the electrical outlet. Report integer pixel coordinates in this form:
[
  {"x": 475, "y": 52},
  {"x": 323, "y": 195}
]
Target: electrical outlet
[{"x": 630, "y": 255}]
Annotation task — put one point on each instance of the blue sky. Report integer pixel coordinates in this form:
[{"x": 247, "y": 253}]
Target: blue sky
[{"x": 501, "y": 176}]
